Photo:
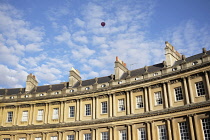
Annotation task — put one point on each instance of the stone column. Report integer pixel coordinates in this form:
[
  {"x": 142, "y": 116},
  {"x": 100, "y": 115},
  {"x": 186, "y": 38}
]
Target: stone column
[
  {"x": 197, "y": 132},
  {"x": 77, "y": 134},
  {"x": 165, "y": 95},
  {"x": 17, "y": 116},
  {"x": 46, "y": 116},
  {"x": 110, "y": 133},
  {"x": 110, "y": 105},
  {"x": 113, "y": 106},
  {"x": 185, "y": 91},
  {"x": 169, "y": 132},
  {"x": 146, "y": 99},
  {"x": 43, "y": 136},
  {"x": 64, "y": 111},
  {"x": 152, "y": 127},
  {"x": 207, "y": 84},
  {"x": 169, "y": 94},
  {"x": 61, "y": 114},
  {"x": 97, "y": 107},
  {"x": 148, "y": 132},
  {"x": 2, "y": 116},
  {"x": 190, "y": 121},
  {"x": 60, "y": 135},
  {"x": 190, "y": 90},
  {"x": 77, "y": 109},
  {"x": 93, "y": 134},
  {"x": 173, "y": 130},
  {"x": 114, "y": 133},
  {"x": 32, "y": 114},
  {"x": 129, "y": 132},
  {"x": 127, "y": 103},
  {"x": 14, "y": 116},
  {"x": 131, "y": 102},
  {"x": 97, "y": 135},
  {"x": 94, "y": 108},
  {"x": 150, "y": 99}
]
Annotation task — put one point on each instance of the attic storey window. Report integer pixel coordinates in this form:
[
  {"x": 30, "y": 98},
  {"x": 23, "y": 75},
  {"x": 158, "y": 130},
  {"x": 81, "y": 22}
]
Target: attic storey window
[
  {"x": 174, "y": 69},
  {"x": 103, "y": 85},
  {"x": 87, "y": 88},
  {"x": 56, "y": 93},
  {"x": 71, "y": 90},
  {"x": 120, "y": 82}
]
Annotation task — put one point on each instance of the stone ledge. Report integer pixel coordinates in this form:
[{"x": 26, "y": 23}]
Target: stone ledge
[{"x": 113, "y": 119}]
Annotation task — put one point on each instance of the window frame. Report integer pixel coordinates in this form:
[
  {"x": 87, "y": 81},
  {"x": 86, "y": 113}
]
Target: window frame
[
  {"x": 87, "y": 136},
  {"x": 104, "y": 109},
  {"x": 184, "y": 131},
  {"x": 205, "y": 128},
  {"x": 9, "y": 116},
  {"x": 71, "y": 111},
  {"x": 139, "y": 101},
  {"x": 40, "y": 114},
  {"x": 178, "y": 93},
  {"x": 87, "y": 109},
  {"x": 55, "y": 114},
  {"x": 24, "y": 116},
  {"x": 70, "y": 137},
  {"x": 104, "y": 135},
  {"x": 158, "y": 98},
  {"x": 142, "y": 133},
  {"x": 123, "y": 134},
  {"x": 121, "y": 104},
  {"x": 162, "y": 132},
  {"x": 200, "y": 88}
]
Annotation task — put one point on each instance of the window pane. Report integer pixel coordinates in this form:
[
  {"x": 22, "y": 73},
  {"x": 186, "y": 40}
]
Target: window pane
[
  {"x": 55, "y": 113},
  {"x": 158, "y": 98},
  {"x": 184, "y": 133},
  {"x": 40, "y": 114},
  {"x": 104, "y": 136},
  {"x": 121, "y": 104},
  {"x": 178, "y": 93},
  {"x": 70, "y": 137},
  {"x": 139, "y": 102},
  {"x": 104, "y": 107},
  {"x": 200, "y": 88},
  {"x": 71, "y": 111},
  {"x": 87, "y": 109},
  {"x": 142, "y": 134},
  {"x": 9, "y": 116},
  {"x": 25, "y": 116},
  {"x": 87, "y": 136},
  {"x": 206, "y": 128},
  {"x": 123, "y": 135},
  {"x": 162, "y": 132}
]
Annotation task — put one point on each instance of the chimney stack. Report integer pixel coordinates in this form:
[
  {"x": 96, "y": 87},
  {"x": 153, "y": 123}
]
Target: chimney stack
[
  {"x": 120, "y": 68},
  {"x": 31, "y": 82},
  {"x": 74, "y": 77}
]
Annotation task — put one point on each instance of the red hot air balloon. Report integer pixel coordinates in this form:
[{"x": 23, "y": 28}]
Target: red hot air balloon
[{"x": 103, "y": 24}]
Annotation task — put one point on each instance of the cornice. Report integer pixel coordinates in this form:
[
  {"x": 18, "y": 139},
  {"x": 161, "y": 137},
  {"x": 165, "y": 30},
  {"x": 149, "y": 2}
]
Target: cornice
[
  {"x": 113, "y": 119},
  {"x": 124, "y": 85}
]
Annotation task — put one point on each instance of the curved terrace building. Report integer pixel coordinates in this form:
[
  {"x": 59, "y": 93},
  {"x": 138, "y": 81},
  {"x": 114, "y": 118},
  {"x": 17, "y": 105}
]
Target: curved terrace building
[{"x": 165, "y": 101}]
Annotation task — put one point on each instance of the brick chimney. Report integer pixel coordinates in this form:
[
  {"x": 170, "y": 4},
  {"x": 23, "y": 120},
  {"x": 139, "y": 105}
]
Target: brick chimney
[
  {"x": 171, "y": 54},
  {"x": 120, "y": 68},
  {"x": 31, "y": 82},
  {"x": 74, "y": 77}
]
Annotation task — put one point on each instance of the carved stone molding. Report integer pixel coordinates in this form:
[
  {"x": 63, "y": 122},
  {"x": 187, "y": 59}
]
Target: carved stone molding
[
  {"x": 196, "y": 75},
  {"x": 71, "y": 101},
  {"x": 56, "y": 103},
  {"x": 175, "y": 81},
  {"x": 40, "y": 104},
  {"x": 87, "y": 99},
  {"x": 137, "y": 90},
  {"x": 10, "y": 106},
  {"x": 25, "y": 106},
  {"x": 102, "y": 96},
  {"x": 156, "y": 86},
  {"x": 120, "y": 93}
]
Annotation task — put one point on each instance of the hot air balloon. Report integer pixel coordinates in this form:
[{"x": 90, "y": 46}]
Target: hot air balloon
[{"x": 103, "y": 24}]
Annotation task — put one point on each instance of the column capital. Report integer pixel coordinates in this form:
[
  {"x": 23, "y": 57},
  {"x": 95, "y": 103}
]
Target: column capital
[
  {"x": 169, "y": 119},
  {"x": 191, "y": 115},
  {"x": 77, "y": 130},
  {"x": 92, "y": 129},
  {"x": 112, "y": 126}
]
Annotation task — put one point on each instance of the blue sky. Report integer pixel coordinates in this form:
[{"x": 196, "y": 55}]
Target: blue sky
[{"x": 48, "y": 37}]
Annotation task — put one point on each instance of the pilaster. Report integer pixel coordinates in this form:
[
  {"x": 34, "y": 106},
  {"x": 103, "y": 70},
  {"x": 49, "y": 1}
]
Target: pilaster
[
  {"x": 131, "y": 102},
  {"x": 190, "y": 90},
  {"x": 169, "y": 94},
  {"x": 110, "y": 105},
  {"x": 207, "y": 84},
  {"x": 190, "y": 121},
  {"x": 127, "y": 103},
  {"x": 187, "y": 101},
  {"x": 150, "y": 99},
  {"x": 165, "y": 95},
  {"x": 146, "y": 99},
  {"x": 94, "y": 108},
  {"x": 78, "y": 109},
  {"x": 114, "y": 105}
]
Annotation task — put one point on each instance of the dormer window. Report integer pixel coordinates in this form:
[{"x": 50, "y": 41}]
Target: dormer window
[
  {"x": 41, "y": 94},
  {"x": 87, "y": 88},
  {"x": 26, "y": 96},
  {"x": 155, "y": 74},
  {"x": 12, "y": 97},
  {"x": 56, "y": 93},
  {"x": 120, "y": 82},
  {"x": 103, "y": 85},
  {"x": 174, "y": 69},
  {"x": 194, "y": 63},
  {"x": 71, "y": 90},
  {"x": 137, "y": 78}
]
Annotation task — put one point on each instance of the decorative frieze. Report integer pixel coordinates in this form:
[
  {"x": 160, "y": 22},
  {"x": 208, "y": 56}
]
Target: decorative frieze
[
  {"x": 120, "y": 93},
  {"x": 175, "y": 81},
  {"x": 71, "y": 101},
  {"x": 103, "y": 96},
  {"x": 10, "y": 106},
  {"x": 87, "y": 99},
  {"x": 137, "y": 90},
  {"x": 40, "y": 104},
  {"x": 55, "y": 103},
  {"x": 156, "y": 86},
  {"x": 25, "y": 106},
  {"x": 196, "y": 75}
]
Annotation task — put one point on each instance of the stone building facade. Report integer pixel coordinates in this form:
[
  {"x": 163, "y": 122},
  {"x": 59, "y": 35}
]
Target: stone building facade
[{"x": 165, "y": 101}]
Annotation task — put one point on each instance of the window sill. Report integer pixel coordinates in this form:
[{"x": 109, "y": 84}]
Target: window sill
[
  {"x": 54, "y": 119},
  {"x": 103, "y": 113},
  {"x": 120, "y": 111},
  {"x": 39, "y": 120},
  {"x": 200, "y": 96},
  {"x": 178, "y": 101},
  {"x": 159, "y": 105}
]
